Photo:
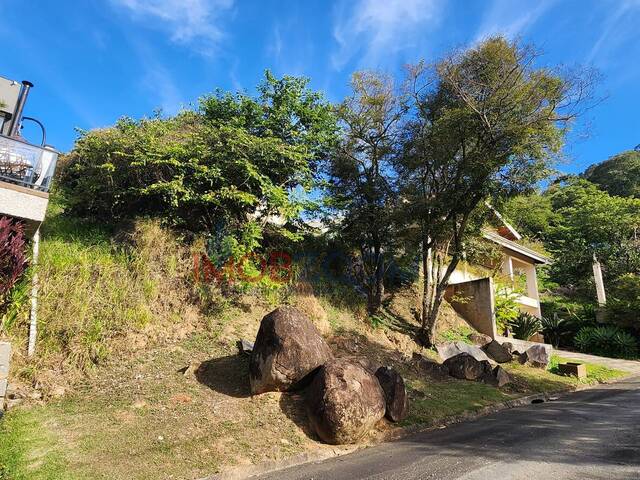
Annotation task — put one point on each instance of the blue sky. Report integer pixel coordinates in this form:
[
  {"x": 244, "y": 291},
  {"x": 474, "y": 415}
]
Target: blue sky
[{"x": 93, "y": 61}]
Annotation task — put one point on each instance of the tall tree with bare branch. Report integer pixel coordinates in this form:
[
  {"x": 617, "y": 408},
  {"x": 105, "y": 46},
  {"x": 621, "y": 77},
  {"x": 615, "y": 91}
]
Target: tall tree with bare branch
[{"x": 488, "y": 124}]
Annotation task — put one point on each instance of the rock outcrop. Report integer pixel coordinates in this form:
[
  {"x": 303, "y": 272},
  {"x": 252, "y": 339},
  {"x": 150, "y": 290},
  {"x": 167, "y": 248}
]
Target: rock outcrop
[
  {"x": 498, "y": 377},
  {"x": 287, "y": 349},
  {"x": 435, "y": 370},
  {"x": 344, "y": 402},
  {"x": 480, "y": 339}
]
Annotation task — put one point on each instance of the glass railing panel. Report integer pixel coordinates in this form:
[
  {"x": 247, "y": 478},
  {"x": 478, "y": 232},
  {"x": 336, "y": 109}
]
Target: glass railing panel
[{"x": 26, "y": 165}]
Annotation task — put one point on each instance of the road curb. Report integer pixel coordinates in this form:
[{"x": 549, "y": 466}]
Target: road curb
[
  {"x": 245, "y": 472},
  {"x": 249, "y": 471}
]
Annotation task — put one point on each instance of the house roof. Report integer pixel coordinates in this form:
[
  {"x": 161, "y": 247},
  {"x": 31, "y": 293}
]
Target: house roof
[{"x": 516, "y": 247}]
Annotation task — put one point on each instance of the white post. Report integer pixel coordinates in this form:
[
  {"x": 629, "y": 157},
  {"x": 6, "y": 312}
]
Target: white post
[
  {"x": 33, "y": 323},
  {"x": 597, "y": 276}
]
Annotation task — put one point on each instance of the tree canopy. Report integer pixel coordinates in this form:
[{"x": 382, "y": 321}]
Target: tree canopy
[
  {"x": 619, "y": 175},
  {"x": 231, "y": 164},
  {"x": 487, "y": 125},
  {"x": 576, "y": 220},
  {"x": 361, "y": 178}
]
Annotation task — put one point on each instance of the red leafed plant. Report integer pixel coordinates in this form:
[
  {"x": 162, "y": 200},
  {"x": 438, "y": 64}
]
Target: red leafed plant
[{"x": 13, "y": 259}]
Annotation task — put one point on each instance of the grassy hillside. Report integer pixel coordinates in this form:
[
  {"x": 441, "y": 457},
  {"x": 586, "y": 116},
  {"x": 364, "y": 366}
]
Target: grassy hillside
[{"x": 151, "y": 375}]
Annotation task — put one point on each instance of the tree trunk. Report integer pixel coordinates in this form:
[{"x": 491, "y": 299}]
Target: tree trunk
[
  {"x": 376, "y": 282},
  {"x": 434, "y": 285}
]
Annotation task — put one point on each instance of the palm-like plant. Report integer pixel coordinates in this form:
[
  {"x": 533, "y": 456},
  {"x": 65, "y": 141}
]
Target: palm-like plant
[
  {"x": 525, "y": 326},
  {"x": 553, "y": 328}
]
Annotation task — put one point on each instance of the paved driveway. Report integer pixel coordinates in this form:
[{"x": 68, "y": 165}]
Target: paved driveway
[
  {"x": 630, "y": 366},
  {"x": 587, "y": 435}
]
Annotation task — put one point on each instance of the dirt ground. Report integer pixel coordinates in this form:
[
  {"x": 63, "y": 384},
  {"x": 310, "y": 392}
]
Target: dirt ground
[{"x": 183, "y": 408}]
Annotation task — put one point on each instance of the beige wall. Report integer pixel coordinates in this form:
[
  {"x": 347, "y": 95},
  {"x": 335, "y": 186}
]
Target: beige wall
[
  {"x": 475, "y": 303},
  {"x": 23, "y": 203}
]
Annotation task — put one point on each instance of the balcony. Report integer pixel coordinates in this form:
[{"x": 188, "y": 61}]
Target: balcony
[
  {"x": 26, "y": 172},
  {"x": 26, "y": 165}
]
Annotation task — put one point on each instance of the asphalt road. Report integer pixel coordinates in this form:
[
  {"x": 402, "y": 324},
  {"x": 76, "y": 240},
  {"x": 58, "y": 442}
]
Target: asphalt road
[{"x": 588, "y": 435}]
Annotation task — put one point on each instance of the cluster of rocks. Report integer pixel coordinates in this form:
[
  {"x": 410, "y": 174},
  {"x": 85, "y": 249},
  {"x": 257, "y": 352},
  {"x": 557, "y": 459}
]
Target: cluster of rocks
[
  {"x": 345, "y": 397},
  {"x": 481, "y": 362}
]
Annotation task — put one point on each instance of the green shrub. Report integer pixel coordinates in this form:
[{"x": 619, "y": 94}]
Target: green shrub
[
  {"x": 623, "y": 305},
  {"x": 564, "y": 317},
  {"x": 609, "y": 341},
  {"x": 506, "y": 307},
  {"x": 553, "y": 329},
  {"x": 232, "y": 161},
  {"x": 525, "y": 325}
]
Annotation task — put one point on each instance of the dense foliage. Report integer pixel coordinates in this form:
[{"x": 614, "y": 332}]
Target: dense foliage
[
  {"x": 608, "y": 341},
  {"x": 487, "y": 124},
  {"x": 13, "y": 258},
  {"x": 361, "y": 184},
  {"x": 232, "y": 165},
  {"x": 619, "y": 175},
  {"x": 623, "y": 303},
  {"x": 576, "y": 220}
]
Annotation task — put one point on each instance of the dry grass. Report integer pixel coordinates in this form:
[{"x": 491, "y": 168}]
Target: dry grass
[{"x": 156, "y": 386}]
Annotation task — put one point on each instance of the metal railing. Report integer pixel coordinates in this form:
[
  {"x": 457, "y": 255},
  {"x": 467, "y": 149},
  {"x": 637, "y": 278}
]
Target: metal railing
[{"x": 26, "y": 165}]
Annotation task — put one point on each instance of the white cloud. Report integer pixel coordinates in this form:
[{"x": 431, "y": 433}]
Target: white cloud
[
  {"x": 378, "y": 29},
  {"x": 189, "y": 22},
  {"x": 615, "y": 32},
  {"x": 511, "y": 18}
]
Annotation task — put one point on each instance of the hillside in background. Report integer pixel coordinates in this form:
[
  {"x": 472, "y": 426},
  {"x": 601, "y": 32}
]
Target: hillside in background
[{"x": 618, "y": 175}]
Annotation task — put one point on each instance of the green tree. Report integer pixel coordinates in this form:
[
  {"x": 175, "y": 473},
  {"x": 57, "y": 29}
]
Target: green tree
[
  {"x": 588, "y": 222},
  {"x": 228, "y": 166},
  {"x": 531, "y": 214},
  {"x": 619, "y": 175},
  {"x": 488, "y": 123},
  {"x": 360, "y": 181}
]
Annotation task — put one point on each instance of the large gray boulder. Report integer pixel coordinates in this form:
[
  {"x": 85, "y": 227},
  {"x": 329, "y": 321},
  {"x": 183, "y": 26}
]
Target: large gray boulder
[
  {"x": 395, "y": 393},
  {"x": 497, "y": 352},
  {"x": 287, "y": 349},
  {"x": 466, "y": 367},
  {"x": 344, "y": 402},
  {"x": 537, "y": 356},
  {"x": 451, "y": 349}
]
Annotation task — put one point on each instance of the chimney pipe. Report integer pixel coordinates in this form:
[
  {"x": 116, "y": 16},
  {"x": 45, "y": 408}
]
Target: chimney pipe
[{"x": 16, "y": 120}]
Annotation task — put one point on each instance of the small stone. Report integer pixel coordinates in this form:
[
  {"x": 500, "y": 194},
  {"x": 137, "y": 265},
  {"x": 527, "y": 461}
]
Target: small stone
[
  {"x": 497, "y": 352},
  {"x": 35, "y": 395},
  {"x": 502, "y": 376},
  {"x": 138, "y": 404},
  {"x": 480, "y": 339},
  {"x": 537, "y": 356},
  {"x": 58, "y": 392},
  {"x": 245, "y": 347}
]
